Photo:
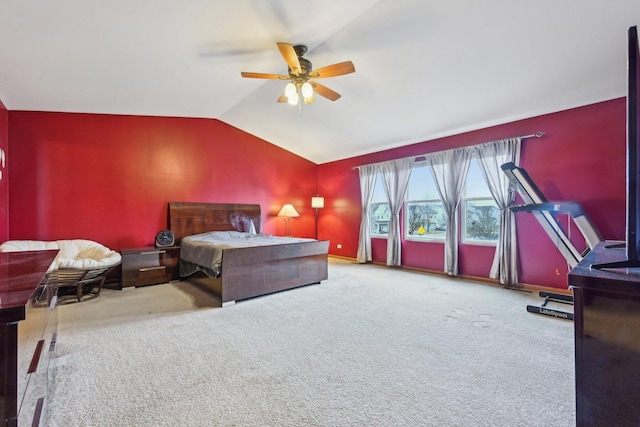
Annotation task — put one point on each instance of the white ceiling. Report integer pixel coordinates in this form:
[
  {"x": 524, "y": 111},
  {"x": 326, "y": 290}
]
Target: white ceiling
[{"x": 424, "y": 69}]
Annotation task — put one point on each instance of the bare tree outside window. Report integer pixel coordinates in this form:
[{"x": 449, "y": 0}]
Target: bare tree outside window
[
  {"x": 424, "y": 216},
  {"x": 482, "y": 221}
]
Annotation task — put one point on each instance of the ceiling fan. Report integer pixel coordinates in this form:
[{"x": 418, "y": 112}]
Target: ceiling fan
[{"x": 301, "y": 74}]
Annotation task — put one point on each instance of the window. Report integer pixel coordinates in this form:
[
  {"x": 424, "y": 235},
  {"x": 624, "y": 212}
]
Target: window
[
  {"x": 480, "y": 212},
  {"x": 425, "y": 218},
  {"x": 380, "y": 212}
]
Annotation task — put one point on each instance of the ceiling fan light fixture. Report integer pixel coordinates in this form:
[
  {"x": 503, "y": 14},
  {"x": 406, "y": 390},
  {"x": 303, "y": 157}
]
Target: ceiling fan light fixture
[
  {"x": 293, "y": 99},
  {"x": 307, "y": 90},
  {"x": 300, "y": 76},
  {"x": 290, "y": 90}
]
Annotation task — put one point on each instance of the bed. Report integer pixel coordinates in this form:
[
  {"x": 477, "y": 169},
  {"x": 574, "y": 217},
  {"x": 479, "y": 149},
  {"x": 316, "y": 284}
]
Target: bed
[{"x": 243, "y": 271}]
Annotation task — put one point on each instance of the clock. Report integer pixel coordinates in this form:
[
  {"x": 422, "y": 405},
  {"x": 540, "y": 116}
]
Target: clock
[{"x": 164, "y": 239}]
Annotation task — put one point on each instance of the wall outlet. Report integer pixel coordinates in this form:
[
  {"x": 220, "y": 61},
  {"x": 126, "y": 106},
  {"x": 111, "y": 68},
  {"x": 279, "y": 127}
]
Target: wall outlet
[{"x": 339, "y": 246}]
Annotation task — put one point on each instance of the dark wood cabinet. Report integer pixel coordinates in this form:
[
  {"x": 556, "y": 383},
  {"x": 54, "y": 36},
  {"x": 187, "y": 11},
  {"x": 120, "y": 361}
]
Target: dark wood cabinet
[
  {"x": 149, "y": 266},
  {"x": 607, "y": 341},
  {"x": 28, "y": 324}
]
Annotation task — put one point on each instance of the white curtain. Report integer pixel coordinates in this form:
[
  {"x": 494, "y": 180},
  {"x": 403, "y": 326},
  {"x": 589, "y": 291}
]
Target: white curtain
[
  {"x": 367, "y": 182},
  {"x": 395, "y": 177},
  {"x": 449, "y": 170},
  {"x": 490, "y": 157}
]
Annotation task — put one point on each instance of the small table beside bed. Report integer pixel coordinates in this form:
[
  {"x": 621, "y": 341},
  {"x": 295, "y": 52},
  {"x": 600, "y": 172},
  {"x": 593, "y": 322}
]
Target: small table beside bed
[{"x": 224, "y": 242}]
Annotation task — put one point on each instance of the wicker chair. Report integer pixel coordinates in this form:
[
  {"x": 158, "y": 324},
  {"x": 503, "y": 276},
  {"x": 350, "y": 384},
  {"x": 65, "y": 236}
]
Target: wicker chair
[
  {"x": 79, "y": 269},
  {"x": 86, "y": 284}
]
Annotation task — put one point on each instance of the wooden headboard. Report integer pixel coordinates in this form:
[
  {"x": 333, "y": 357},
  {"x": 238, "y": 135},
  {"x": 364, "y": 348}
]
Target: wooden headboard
[{"x": 187, "y": 218}]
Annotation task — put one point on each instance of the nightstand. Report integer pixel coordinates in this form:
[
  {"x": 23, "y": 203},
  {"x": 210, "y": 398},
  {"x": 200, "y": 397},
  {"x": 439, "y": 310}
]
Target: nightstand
[{"x": 149, "y": 265}]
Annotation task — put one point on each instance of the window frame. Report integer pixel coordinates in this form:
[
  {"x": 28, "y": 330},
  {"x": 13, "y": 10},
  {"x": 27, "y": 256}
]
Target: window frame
[
  {"x": 481, "y": 192},
  {"x": 432, "y": 198},
  {"x": 378, "y": 190}
]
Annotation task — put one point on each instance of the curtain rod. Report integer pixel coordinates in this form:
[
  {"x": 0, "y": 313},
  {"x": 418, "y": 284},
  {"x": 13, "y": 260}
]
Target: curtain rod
[{"x": 533, "y": 135}]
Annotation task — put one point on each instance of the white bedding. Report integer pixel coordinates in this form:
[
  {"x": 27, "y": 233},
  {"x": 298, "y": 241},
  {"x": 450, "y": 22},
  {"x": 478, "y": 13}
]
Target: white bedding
[{"x": 205, "y": 249}]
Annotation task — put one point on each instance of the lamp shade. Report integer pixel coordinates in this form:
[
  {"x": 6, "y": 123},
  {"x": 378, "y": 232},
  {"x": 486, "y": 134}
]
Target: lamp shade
[
  {"x": 288, "y": 211},
  {"x": 317, "y": 202}
]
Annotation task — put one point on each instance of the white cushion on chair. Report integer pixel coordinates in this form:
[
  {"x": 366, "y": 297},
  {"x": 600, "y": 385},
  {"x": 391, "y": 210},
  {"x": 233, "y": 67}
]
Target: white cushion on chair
[
  {"x": 78, "y": 253},
  {"x": 27, "y": 245},
  {"x": 85, "y": 254}
]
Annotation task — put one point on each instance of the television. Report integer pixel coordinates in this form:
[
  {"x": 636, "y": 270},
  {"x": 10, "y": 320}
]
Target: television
[{"x": 632, "y": 238}]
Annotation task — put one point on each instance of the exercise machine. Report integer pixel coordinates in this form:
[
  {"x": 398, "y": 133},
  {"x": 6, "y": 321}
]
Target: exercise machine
[{"x": 546, "y": 213}]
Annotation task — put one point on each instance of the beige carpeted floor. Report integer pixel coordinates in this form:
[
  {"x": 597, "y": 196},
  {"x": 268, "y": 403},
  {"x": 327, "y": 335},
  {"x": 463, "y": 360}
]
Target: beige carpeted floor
[{"x": 371, "y": 346}]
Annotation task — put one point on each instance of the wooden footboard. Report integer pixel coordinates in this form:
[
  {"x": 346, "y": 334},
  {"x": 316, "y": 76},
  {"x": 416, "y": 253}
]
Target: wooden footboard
[
  {"x": 253, "y": 271},
  {"x": 250, "y": 272}
]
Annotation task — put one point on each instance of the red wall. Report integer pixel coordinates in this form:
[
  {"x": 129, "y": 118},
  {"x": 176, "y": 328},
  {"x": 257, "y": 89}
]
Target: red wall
[
  {"x": 581, "y": 158},
  {"x": 109, "y": 178},
  {"x": 4, "y": 180}
]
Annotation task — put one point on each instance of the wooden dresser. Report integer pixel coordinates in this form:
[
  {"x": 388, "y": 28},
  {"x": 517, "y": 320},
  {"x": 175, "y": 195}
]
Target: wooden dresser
[
  {"x": 149, "y": 265},
  {"x": 607, "y": 341},
  {"x": 28, "y": 323}
]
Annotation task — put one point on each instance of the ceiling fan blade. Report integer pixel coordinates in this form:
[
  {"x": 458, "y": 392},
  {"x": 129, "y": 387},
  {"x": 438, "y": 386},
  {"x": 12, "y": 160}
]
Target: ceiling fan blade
[
  {"x": 283, "y": 98},
  {"x": 263, "y": 76},
  {"x": 289, "y": 55},
  {"x": 333, "y": 70},
  {"x": 325, "y": 91}
]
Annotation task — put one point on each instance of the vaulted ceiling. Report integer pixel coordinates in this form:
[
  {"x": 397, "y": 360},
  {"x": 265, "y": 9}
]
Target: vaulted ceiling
[{"x": 424, "y": 69}]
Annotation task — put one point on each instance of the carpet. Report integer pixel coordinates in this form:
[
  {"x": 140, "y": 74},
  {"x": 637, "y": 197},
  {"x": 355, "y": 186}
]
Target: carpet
[{"x": 370, "y": 346}]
